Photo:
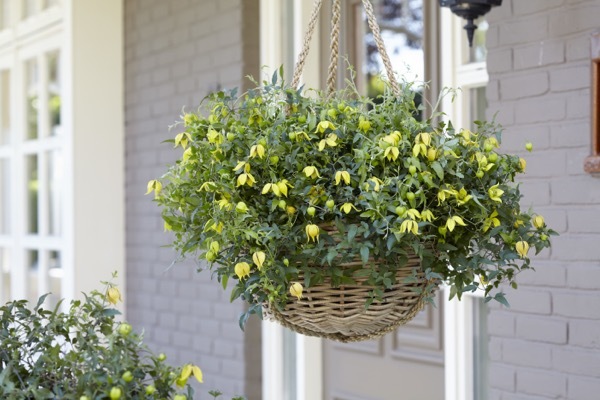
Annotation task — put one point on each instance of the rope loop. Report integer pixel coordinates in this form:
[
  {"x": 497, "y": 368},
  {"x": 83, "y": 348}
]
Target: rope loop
[{"x": 335, "y": 41}]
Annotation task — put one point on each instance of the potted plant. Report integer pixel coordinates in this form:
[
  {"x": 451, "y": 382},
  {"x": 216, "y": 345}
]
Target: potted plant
[
  {"x": 286, "y": 194},
  {"x": 83, "y": 353}
]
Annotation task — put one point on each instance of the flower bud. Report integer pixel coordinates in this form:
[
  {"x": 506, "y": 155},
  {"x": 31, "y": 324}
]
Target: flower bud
[
  {"x": 312, "y": 232},
  {"x": 522, "y": 248},
  {"x": 241, "y": 207},
  {"x": 538, "y": 221},
  {"x": 296, "y": 289}
]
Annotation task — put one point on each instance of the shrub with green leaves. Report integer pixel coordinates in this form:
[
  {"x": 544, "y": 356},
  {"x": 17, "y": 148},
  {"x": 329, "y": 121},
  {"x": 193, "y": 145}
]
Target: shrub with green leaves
[
  {"x": 264, "y": 177},
  {"x": 82, "y": 354}
]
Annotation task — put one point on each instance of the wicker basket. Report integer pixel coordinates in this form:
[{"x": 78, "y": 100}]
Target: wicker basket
[{"x": 339, "y": 313}]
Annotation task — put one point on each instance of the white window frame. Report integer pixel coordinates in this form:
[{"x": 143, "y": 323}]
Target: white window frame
[
  {"x": 458, "y": 315},
  {"x": 89, "y": 37}
]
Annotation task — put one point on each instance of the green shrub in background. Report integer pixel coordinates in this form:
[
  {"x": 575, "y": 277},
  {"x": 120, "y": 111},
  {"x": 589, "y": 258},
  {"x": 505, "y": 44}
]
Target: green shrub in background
[{"x": 83, "y": 354}]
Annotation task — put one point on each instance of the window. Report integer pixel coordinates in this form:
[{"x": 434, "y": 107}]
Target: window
[{"x": 49, "y": 223}]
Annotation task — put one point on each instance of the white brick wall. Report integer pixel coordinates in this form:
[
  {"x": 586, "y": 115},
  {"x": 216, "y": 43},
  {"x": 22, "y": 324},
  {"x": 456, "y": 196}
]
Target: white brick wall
[
  {"x": 176, "y": 51},
  {"x": 547, "y": 345}
]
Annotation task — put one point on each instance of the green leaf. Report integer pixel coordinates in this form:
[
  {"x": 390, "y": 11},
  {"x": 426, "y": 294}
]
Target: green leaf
[
  {"x": 352, "y": 230},
  {"x": 364, "y": 254},
  {"x": 438, "y": 169},
  {"x": 499, "y": 297},
  {"x": 224, "y": 280}
]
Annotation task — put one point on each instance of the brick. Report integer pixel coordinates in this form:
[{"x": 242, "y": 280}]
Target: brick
[
  {"x": 573, "y": 20},
  {"x": 534, "y": 28},
  {"x": 539, "y": 54},
  {"x": 502, "y": 377},
  {"x": 499, "y": 61},
  {"x": 524, "y": 85},
  {"x": 581, "y": 388},
  {"x": 546, "y": 274},
  {"x": 577, "y": 304},
  {"x": 576, "y": 190},
  {"x": 584, "y": 220},
  {"x": 578, "y": 49},
  {"x": 578, "y": 104},
  {"x": 546, "y": 164},
  {"x": 542, "y": 329},
  {"x": 535, "y": 6},
  {"x": 572, "y": 78},
  {"x": 584, "y": 333},
  {"x": 575, "y": 361},
  {"x": 543, "y": 383},
  {"x": 575, "y": 134},
  {"x": 537, "y": 110},
  {"x": 584, "y": 276},
  {"x": 501, "y": 324},
  {"x": 530, "y": 301},
  {"x": 526, "y": 353},
  {"x": 536, "y": 192},
  {"x": 576, "y": 247}
]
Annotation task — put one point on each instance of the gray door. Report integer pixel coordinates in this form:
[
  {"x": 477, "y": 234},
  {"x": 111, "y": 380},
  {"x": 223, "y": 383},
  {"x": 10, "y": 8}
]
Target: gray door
[{"x": 407, "y": 364}]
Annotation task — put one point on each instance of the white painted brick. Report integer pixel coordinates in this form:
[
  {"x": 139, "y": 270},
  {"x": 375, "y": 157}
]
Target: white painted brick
[
  {"x": 574, "y": 134},
  {"x": 515, "y": 31},
  {"x": 530, "y": 301},
  {"x": 576, "y": 361},
  {"x": 584, "y": 276},
  {"x": 535, "y": 6},
  {"x": 545, "y": 52},
  {"x": 581, "y": 388},
  {"x": 546, "y": 274},
  {"x": 542, "y": 383},
  {"x": 577, "y": 304},
  {"x": 500, "y": 61},
  {"x": 572, "y": 78},
  {"x": 573, "y": 20},
  {"x": 502, "y": 377},
  {"x": 584, "y": 333},
  {"x": 576, "y": 247},
  {"x": 542, "y": 329},
  {"x": 578, "y": 104},
  {"x": 577, "y": 190},
  {"x": 502, "y": 324},
  {"x": 584, "y": 220},
  {"x": 533, "y": 110},
  {"x": 524, "y": 85},
  {"x": 526, "y": 353},
  {"x": 578, "y": 48}
]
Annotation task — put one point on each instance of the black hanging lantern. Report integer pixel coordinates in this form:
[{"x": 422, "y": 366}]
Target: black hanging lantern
[{"x": 470, "y": 10}]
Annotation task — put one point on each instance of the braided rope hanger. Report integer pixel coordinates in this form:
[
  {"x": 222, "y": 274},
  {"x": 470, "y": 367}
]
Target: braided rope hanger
[{"x": 333, "y": 61}]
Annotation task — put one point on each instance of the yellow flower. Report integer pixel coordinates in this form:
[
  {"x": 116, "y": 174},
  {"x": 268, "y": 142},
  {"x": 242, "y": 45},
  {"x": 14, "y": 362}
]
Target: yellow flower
[
  {"x": 462, "y": 197},
  {"x": 538, "y": 221},
  {"x": 113, "y": 296},
  {"x": 267, "y": 188},
  {"x": 364, "y": 125},
  {"x": 431, "y": 154},
  {"x": 154, "y": 185},
  {"x": 491, "y": 221},
  {"x": 495, "y": 193},
  {"x": 290, "y": 210},
  {"x": 391, "y": 153},
  {"x": 453, "y": 221},
  {"x": 296, "y": 289},
  {"x": 242, "y": 269},
  {"x": 259, "y": 258},
  {"x": 377, "y": 183},
  {"x": 342, "y": 175},
  {"x": 283, "y": 187},
  {"x": 522, "y": 164},
  {"x": 442, "y": 194},
  {"x": 197, "y": 372},
  {"x": 347, "y": 207},
  {"x": 413, "y": 214},
  {"x": 245, "y": 179},
  {"x": 427, "y": 215},
  {"x": 214, "y": 137},
  {"x": 241, "y": 207},
  {"x": 224, "y": 204},
  {"x": 419, "y": 148},
  {"x": 311, "y": 172},
  {"x": 522, "y": 248},
  {"x": 409, "y": 225},
  {"x": 208, "y": 186},
  {"x": 424, "y": 138},
  {"x": 242, "y": 164},
  {"x": 186, "y": 154},
  {"x": 257, "y": 150},
  {"x": 182, "y": 139},
  {"x": 312, "y": 232},
  {"x": 324, "y": 125},
  {"x": 331, "y": 141}
]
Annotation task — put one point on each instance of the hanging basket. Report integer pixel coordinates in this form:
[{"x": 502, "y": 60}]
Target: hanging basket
[{"x": 341, "y": 313}]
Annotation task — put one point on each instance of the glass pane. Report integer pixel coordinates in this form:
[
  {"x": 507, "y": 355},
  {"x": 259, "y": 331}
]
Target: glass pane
[
  {"x": 4, "y": 196},
  {"x": 401, "y": 23},
  {"x": 29, "y": 8},
  {"x": 5, "y": 107},
  {"x": 480, "y": 349},
  {"x": 32, "y": 193},
  {"x": 54, "y": 92},
  {"x": 55, "y": 173},
  {"x": 4, "y": 276},
  {"x": 4, "y": 14},
  {"x": 32, "y": 259},
  {"x": 478, "y": 104},
  {"x": 55, "y": 276},
  {"x": 478, "y": 53},
  {"x": 31, "y": 81}
]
